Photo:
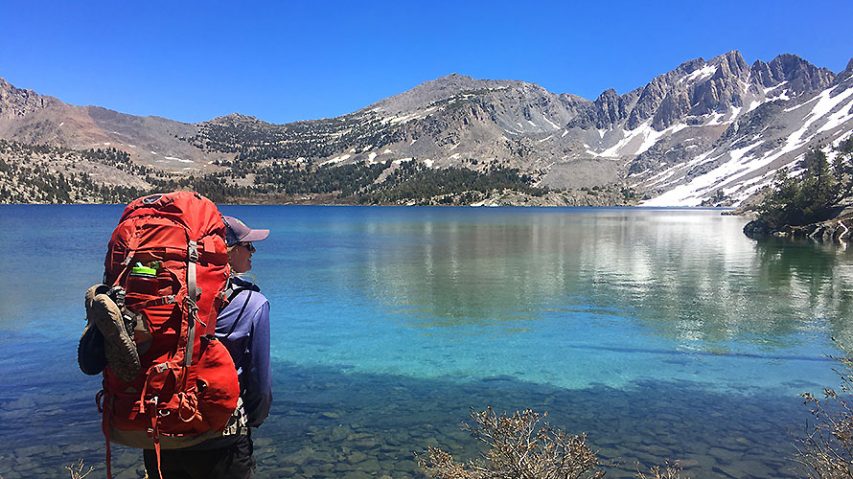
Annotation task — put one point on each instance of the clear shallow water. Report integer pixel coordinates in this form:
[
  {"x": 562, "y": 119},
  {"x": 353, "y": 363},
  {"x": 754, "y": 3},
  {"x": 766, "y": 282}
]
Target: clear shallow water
[{"x": 664, "y": 334}]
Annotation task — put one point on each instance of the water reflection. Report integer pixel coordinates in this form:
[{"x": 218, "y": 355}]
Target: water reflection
[
  {"x": 816, "y": 280},
  {"x": 685, "y": 275}
]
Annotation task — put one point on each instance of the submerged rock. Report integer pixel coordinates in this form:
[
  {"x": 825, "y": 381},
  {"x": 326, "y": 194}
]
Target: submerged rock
[{"x": 756, "y": 229}]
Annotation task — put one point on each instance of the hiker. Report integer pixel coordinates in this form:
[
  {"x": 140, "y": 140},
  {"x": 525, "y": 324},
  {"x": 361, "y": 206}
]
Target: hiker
[
  {"x": 243, "y": 327},
  {"x": 167, "y": 327}
]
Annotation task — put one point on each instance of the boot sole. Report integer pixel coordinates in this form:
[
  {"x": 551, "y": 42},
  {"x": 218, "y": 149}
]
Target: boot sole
[{"x": 119, "y": 347}]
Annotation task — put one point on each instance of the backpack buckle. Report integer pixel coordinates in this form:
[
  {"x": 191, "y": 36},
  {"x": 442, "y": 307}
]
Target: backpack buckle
[{"x": 192, "y": 251}]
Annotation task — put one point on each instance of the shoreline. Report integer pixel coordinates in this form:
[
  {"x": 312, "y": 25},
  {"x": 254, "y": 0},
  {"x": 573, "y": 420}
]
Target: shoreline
[{"x": 726, "y": 211}]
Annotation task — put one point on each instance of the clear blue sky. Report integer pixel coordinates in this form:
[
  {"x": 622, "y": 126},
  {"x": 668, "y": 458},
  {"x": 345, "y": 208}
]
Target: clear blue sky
[{"x": 293, "y": 60}]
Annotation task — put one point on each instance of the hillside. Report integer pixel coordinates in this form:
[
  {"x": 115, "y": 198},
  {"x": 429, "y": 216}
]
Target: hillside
[{"x": 706, "y": 133}]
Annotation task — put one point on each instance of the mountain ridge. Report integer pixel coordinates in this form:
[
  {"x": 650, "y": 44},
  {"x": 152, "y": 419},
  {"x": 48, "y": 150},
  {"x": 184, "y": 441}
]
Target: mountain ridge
[{"x": 701, "y": 118}]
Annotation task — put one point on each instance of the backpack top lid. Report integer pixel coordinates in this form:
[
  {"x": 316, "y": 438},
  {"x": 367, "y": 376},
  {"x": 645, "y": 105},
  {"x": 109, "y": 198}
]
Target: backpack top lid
[{"x": 188, "y": 208}]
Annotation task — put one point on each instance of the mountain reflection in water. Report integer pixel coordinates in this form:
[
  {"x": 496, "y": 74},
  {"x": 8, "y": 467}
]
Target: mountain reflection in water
[{"x": 683, "y": 275}]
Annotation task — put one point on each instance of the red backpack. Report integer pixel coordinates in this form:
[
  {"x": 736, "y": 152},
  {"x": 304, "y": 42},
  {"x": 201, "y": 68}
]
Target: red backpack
[{"x": 186, "y": 389}]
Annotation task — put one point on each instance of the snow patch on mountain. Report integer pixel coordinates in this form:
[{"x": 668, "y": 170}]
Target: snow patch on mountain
[
  {"x": 825, "y": 104},
  {"x": 640, "y": 139},
  {"x": 701, "y": 74},
  {"x": 774, "y": 87},
  {"x": 736, "y": 178},
  {"x": 556, "y": 127},
  {"x": 835, "y": 120},
  {"x": 753, "y": 105},
  {"x": 693, "y": 192},
  {"x": 782, "y": 96},
  {"x": 716, "y": 118},
  {"x": 337, "y": 159},
  {"x": 416, "y": 115},
  {"x": 175, "y": 158}
]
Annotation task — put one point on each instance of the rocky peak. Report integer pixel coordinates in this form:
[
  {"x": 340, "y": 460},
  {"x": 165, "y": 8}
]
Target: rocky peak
[
  {"x": 607, "y": 96},
  {"x": 441, "y": 88},
  {"x": 801, "y": 75},
  {"x": 610, "y": 109},
  {"x": 691, "y": 66},
  {"x": 696, "y": 87},
  {"x": 452, "y": 84},
  {"x": 652, "y": 97},
  {"x": 16, "y": 102},
  {"x": 763, "y": 75},
  {"x": 844, "y": 79},
  {"x": 846, "y": 74},
  {"x": 723, "y": 90},
  {"x": 731, "y": 63},
  {"x": 607, "y": 111},
  {"x": 847, "y": 71}
]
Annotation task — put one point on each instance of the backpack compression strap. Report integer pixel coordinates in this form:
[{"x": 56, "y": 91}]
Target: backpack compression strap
[
  {"x": 192, "y": 295},
  {"x": 192, "y": 316}
]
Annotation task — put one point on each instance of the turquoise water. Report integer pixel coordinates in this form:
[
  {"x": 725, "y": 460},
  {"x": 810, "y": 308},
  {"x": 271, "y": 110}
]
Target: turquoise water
[{"x": 664, "y": 334}]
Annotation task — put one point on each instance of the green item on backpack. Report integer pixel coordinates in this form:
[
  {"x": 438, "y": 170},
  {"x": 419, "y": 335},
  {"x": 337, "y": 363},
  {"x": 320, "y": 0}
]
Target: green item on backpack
[{"x": 140, "y": 270}]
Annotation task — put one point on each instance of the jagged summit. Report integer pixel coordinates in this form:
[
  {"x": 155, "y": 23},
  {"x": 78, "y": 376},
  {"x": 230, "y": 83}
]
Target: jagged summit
[
  {"x": 732, "y": 60},
  {"x": 800, "y": 75},
  {"x": 697, "y": 88},
  {"x": 607, "y": 110},
  {"x": 691, "y": 65},
  {"x": 847, "y": 73}
]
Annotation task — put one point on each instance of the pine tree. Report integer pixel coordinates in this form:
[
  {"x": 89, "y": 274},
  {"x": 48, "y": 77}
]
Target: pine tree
[{"x": 797, "y": 201}]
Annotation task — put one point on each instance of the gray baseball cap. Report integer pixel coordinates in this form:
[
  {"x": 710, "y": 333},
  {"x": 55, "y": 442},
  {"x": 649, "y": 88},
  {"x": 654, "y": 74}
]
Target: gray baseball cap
[{"x": 237, "y": 232}]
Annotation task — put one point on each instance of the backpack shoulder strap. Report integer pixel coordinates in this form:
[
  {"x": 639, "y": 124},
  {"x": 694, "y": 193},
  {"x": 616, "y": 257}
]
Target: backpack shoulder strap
[{"x": 232, "y": 291}]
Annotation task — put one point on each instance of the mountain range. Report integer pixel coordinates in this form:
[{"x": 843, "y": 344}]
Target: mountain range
[{"x": 710, "y": 133}]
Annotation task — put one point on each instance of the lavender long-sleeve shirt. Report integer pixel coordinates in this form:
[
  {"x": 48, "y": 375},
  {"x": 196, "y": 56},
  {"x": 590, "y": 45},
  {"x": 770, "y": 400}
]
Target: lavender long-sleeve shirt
[{"x": 243, "y": 326}]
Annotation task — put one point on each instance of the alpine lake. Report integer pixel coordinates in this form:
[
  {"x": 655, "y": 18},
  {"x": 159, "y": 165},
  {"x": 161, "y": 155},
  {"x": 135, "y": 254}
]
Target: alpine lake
[{"x": 664, "y": 334}]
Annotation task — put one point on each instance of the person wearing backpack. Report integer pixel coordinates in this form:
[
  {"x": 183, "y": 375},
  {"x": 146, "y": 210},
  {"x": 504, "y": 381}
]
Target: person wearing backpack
[
  {"x": 243, "y": 327},
  {"x": 181, "y": 340}
]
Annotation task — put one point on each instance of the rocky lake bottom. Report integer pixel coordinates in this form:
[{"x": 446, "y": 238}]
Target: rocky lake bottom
[{"x": 331, "y": 423}]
